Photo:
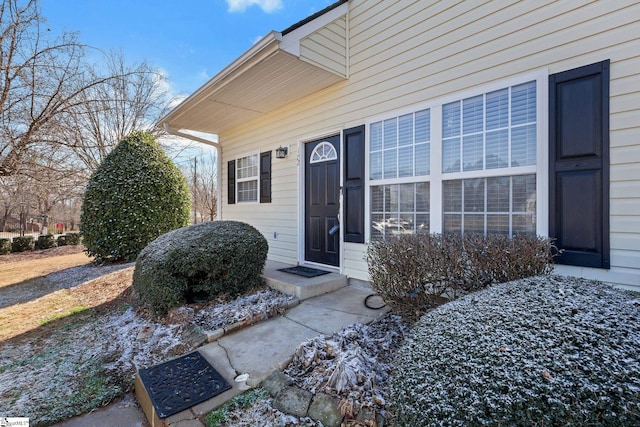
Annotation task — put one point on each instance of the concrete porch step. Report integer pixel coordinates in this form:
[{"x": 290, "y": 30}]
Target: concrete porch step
[
  {"x": 298, "y": 286},
  {"x": 264, "y": 347}
]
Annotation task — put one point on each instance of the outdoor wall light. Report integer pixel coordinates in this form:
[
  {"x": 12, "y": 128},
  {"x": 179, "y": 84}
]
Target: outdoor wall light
[{"x": 282, "y": 152}]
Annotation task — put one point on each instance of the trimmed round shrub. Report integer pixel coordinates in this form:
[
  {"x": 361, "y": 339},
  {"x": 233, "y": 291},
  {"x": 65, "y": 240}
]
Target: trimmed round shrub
[
  {"x": 135, "y": 195},
  {"x": 22, "y": 244},
  {"x": 45, "y": 241},
  {"x": 198, "y": 263},
  {"x": 61, "y": 240},
  {"x": 544, "y": 351},
  {"x": 5, "y": 246},
  {"x": 71, "y": 239}
]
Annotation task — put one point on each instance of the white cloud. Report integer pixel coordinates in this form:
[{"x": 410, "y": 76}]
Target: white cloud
[
  {"x": 267, "y": 6},
  {"x": 203, "y": 75}
]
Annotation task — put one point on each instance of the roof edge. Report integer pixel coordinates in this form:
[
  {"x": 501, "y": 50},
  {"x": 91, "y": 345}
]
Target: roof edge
[
  {"x": 312, "y": 17},
  {"x": 266, "y": 44}
]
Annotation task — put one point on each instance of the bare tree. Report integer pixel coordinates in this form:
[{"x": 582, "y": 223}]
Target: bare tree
[
  {"x": 134, "y": 97},
  {"x": 8, "y": 201},
  {"x": 51, "y": 94},
  {"x": 60, "y": 115},
  {"x": 202, "y": 177},
  {"x": 41, "y": 79}
]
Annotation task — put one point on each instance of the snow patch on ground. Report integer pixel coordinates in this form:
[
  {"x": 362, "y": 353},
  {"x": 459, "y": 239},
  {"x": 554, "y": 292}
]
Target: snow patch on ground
[
  {"x": 353, "y": 364},
  {"x": 262, "y": 302},
  {"x": 85, "y": 366}
]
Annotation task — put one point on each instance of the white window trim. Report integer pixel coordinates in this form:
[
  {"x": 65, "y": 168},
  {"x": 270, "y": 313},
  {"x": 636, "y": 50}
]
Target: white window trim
[
  {"x": 540, "y": 169},
  {"x": 256, "y": 178}
]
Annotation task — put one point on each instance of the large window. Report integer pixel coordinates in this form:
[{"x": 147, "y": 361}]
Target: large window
[
  {"x": 247, "y": 178},
  {"x": 399, "y": 208},
  {"x": 399, "y": 147},
  {"x": 399, "y": 157},
  {"x": 485, "y": 174},
  {"x": 504, "y": 205},
  {"x": 490, "y": 131}
]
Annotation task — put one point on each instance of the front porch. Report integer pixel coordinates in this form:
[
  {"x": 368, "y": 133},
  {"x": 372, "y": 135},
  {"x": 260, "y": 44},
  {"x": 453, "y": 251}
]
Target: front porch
[{"x": 298, "y": 286}]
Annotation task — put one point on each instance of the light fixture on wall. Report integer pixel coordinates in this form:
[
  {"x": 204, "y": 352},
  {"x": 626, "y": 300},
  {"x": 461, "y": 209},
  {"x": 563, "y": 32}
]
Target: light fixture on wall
[{"x": 282, "y": 152}]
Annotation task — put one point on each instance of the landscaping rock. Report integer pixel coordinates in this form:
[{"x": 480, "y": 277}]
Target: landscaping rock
[
  {"x": 294, "y": 401},
  {"x": 366, "y": 415},
  {"x": 145, "y": 333},
  {"x": 194, "y": 337},
  {"x": 276, "y": 382},
  {"x": 325, "y": 408},
  {"x": 181, "y": 315}
]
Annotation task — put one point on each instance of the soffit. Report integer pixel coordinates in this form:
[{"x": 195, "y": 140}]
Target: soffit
[{"x": 266, "y": 83}]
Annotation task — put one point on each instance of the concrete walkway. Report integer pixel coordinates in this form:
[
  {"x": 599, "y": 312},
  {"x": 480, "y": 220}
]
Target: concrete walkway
[{"x": 257, "y": 350}]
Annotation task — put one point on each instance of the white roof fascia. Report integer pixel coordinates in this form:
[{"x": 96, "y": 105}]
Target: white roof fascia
[
  {"x": 184, "y": 133},
  {"x": 291, "y": 41}
]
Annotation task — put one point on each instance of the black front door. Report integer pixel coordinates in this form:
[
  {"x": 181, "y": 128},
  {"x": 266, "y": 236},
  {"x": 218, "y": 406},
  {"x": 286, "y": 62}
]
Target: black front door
[{"x": 322, "y": 201}]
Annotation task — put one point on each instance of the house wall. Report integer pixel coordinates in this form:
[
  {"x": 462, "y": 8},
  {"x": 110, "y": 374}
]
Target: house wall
[
  {"x": 327, "y": 47},
  {"x": 404, "y": 53}
]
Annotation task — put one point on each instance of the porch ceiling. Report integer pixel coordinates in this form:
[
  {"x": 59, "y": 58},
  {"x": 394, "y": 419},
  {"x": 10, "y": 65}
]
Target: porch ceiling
[{"x": 264, "y": 79}]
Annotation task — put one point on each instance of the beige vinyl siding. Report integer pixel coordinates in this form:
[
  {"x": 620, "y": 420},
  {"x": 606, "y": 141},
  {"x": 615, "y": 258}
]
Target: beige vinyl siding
[
  {"x": 406, "y": 53},
  {"x": 354, "y": 261},
  {"x": 279, "y": 216},
  {"x": 327, "y": 47}
]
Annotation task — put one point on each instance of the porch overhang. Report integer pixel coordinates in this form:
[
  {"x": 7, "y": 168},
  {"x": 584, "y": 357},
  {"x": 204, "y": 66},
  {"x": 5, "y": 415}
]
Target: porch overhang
[{"x": 270, "y": 75}]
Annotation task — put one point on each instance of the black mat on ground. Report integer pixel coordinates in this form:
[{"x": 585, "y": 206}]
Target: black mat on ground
[
  {"x": 307, "y": 272},
  {"x": 181, "y": 383}
]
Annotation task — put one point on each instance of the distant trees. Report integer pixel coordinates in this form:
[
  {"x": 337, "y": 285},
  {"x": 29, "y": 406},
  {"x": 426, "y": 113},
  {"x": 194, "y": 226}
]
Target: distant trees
[
  {"x": 60, "y": 113},
  {"x": 202, "y": 178}
]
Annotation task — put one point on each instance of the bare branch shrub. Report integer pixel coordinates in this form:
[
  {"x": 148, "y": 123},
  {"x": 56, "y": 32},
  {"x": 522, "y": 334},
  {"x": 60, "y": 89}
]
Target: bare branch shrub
[{"x": 417, "y": 272}]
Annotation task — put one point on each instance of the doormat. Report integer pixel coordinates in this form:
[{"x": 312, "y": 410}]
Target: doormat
[
  {"x": 307, "y": 272},
  {"x": 181, "y": 383}
]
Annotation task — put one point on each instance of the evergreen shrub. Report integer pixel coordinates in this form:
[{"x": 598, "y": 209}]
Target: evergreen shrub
[
  {"x": 134, "y": 196},
  {"x": 415, "y": 272},
  {"x": 72, "y": 239},
  {"x": 199, "y": 263},
  {"x": 543, "y": 351},
  {"x": 22, "y": 244},
  {"x": 5, "y": 246},
  {"x": 45, "y": 241}
]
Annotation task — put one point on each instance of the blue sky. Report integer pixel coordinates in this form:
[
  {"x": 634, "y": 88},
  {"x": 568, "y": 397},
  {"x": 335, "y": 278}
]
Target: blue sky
[{"x": 191, "y": 40}]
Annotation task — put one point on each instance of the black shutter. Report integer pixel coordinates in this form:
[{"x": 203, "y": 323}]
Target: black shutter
[
  {"x": 231, "y": 182},
  {"x": 354, "y": 185},
  {"x": 265, "y": 177},
  {"x": 579, "y": 165}
]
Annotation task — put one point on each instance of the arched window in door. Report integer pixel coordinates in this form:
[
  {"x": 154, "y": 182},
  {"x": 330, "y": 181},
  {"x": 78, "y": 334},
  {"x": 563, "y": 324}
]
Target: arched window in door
[{"x": 323, "y": 153}]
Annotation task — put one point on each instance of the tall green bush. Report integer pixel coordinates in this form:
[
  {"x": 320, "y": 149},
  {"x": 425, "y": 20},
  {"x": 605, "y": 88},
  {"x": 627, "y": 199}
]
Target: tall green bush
[{"x": 135, "y": 195}]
